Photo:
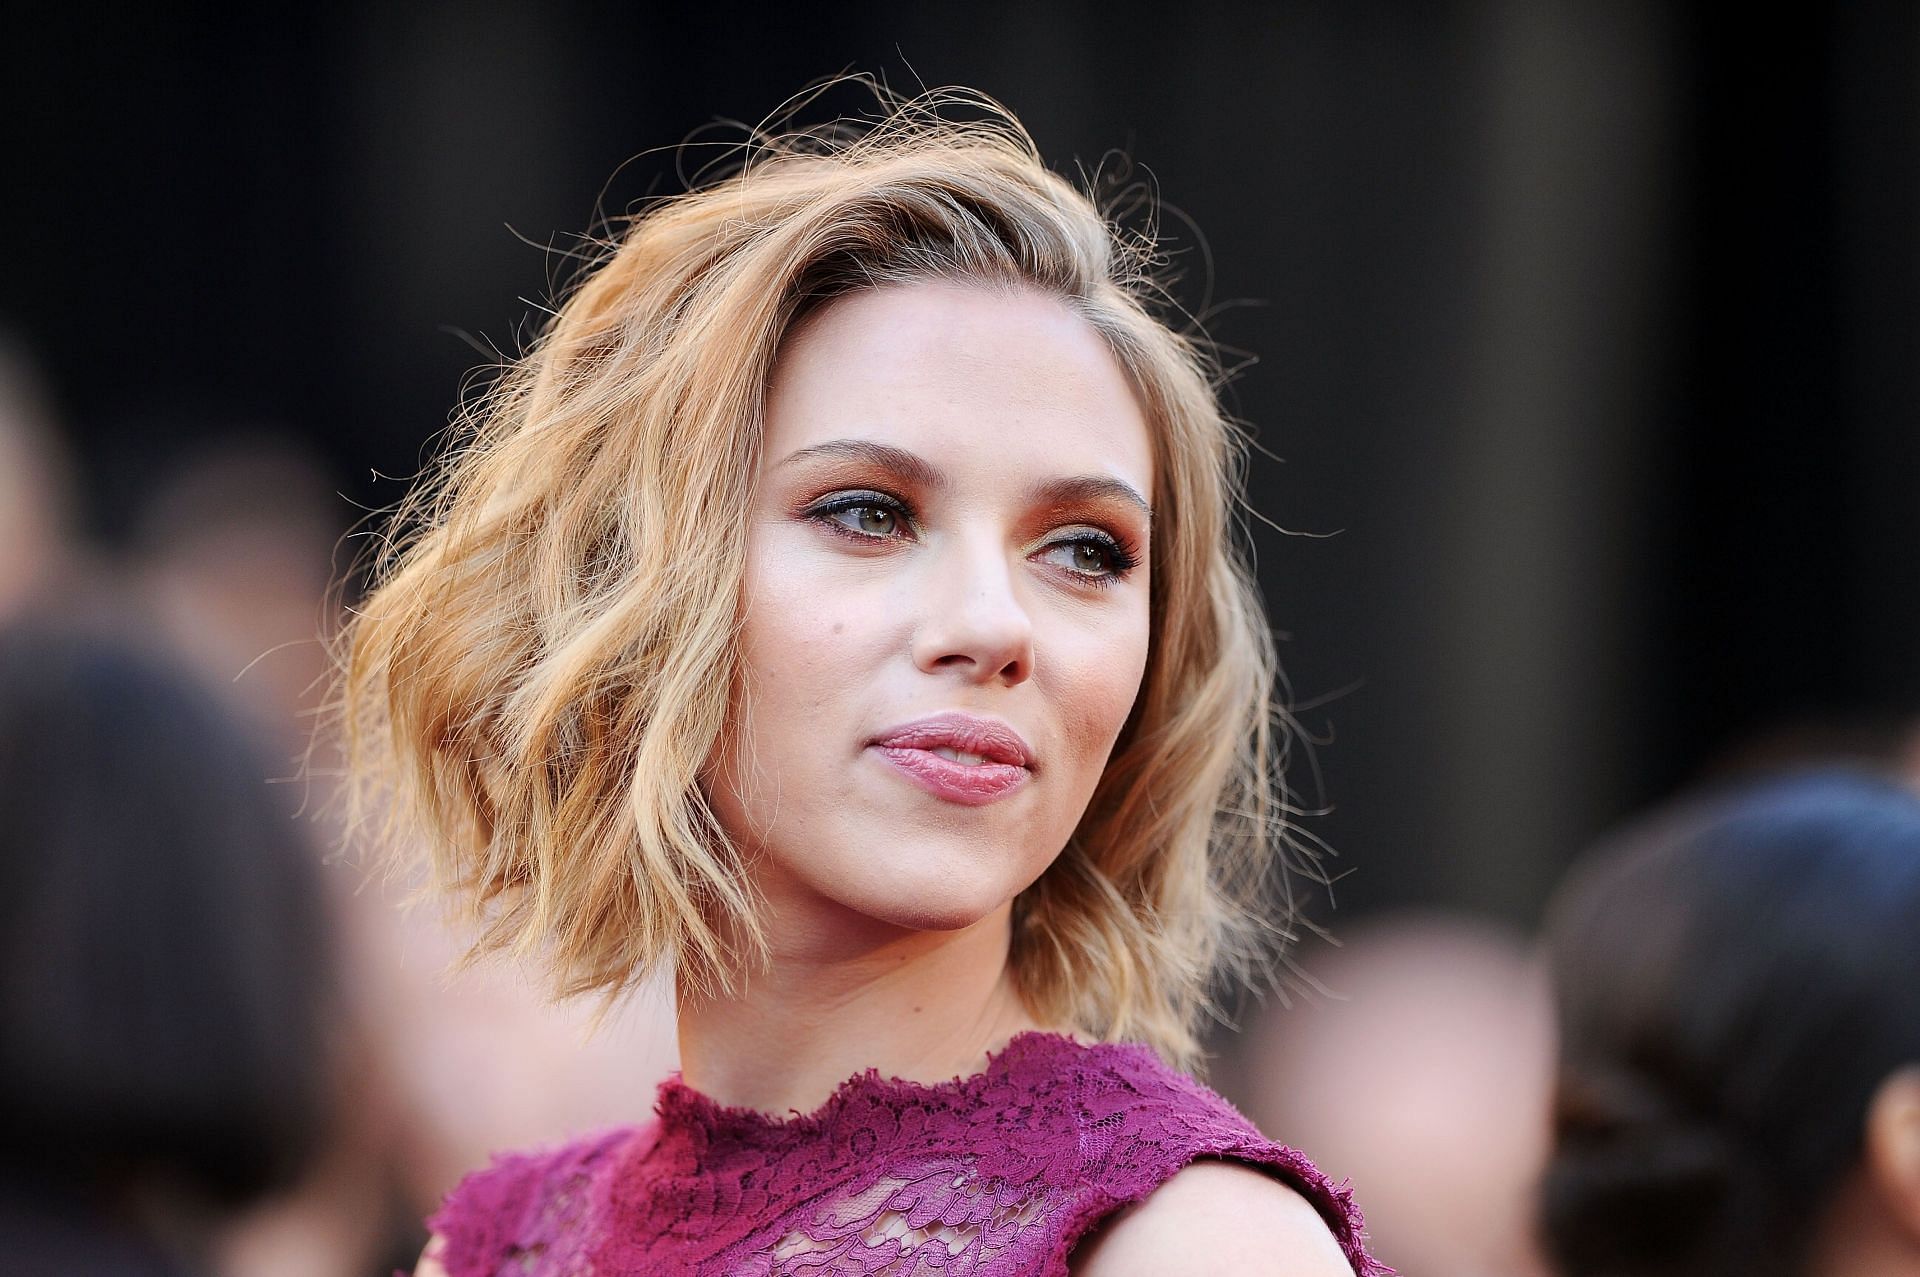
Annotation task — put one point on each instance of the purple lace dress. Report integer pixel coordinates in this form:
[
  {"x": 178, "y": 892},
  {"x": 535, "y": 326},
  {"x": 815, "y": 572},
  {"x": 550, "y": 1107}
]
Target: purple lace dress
[{"x": 998, "y": 1173}]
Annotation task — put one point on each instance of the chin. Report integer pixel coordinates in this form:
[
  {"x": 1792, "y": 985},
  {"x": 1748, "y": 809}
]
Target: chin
[
  {"x": 952, "y": 903},
  {"x": 934, "y": 916}
]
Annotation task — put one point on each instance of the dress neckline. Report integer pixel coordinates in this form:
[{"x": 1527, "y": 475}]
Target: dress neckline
[{"x": 679, "y": 1104}]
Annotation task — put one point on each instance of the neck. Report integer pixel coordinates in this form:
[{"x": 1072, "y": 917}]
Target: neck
[{"x": 920, "y": 1005}]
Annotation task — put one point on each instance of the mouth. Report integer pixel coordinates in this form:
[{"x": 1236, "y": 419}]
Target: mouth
[{"x": 959, "y": 758}]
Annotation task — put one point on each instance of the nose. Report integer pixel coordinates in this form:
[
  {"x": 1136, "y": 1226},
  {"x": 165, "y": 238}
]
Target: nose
[{"x": 972, "y": 619}]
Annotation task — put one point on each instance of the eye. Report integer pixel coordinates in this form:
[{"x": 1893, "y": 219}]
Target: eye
[
  {"x": 873, "y": 520},
  {"x": 1100, "y": 558},
  {"x": 868, "y": 515}
]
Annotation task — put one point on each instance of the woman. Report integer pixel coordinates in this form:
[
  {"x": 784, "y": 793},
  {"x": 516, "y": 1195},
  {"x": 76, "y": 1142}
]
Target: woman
[
  {"x": 838, "y": 605},
  {"x": 1738, "y": 984}
]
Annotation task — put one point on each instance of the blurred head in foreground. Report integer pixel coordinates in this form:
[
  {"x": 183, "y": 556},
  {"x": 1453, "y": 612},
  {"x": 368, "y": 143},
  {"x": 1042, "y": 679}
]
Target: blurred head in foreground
[
  {"x": 161, "y": 965},
  {"x": 233, "y": 548},
  {"x": 1738, "y": 988},
  {"x": 1424, "y": 1078}
]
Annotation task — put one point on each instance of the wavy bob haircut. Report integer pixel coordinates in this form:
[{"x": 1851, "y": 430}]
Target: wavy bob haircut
[{"x": 546, "y": 658}]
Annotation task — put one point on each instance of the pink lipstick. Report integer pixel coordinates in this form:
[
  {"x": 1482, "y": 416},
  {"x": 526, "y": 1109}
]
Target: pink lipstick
[{"x": 958, "y": 757}]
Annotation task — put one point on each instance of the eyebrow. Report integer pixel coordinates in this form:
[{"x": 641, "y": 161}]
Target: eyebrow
[{"x": 1063, "y": 491}]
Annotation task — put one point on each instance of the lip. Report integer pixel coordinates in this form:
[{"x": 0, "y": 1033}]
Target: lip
[{"x": 908, "y": 748}]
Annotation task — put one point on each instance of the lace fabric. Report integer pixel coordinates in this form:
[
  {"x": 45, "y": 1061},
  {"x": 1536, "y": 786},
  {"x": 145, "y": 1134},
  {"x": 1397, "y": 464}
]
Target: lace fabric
[{"x": 1002, "y": 1172}]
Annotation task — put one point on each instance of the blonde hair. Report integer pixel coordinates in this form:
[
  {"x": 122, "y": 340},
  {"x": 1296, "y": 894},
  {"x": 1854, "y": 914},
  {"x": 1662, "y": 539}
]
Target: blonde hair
[{"x": 545, "y": 661}]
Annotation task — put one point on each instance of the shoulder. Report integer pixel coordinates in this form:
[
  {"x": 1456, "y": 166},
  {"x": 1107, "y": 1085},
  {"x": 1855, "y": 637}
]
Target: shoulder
[
  {"x": 522, "y": 1199},
  {"x": 1213, "y": 1217},
  {"x": 430, "y": 1265},
  {"x": 519, "y": 1177},
  {"x": 1152, "y": 1120},
  {"x": 1184, "y": 1168}
]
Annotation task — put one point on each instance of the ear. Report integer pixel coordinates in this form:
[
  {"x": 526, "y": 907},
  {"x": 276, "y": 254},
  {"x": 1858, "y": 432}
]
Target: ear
[{"x": 1893, "y": 1147}]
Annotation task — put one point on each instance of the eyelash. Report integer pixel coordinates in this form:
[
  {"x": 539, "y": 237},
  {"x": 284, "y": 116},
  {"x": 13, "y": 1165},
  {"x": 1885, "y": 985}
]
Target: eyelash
[{"x": 1120, "y": 555}]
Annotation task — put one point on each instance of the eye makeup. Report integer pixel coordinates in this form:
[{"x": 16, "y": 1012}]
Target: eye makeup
[
  {"x": 870, "y": 516},
  {"x": 862, "y": 505},
  {"x": 1119, "y": 558}
]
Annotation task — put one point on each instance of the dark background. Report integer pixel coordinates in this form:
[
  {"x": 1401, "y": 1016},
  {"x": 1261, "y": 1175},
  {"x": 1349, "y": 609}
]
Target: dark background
[{"x": 1585, "y": 330}]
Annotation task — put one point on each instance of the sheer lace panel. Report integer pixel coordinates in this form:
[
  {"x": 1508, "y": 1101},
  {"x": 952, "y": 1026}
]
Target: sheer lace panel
[{"x": 935, "y": 1218}]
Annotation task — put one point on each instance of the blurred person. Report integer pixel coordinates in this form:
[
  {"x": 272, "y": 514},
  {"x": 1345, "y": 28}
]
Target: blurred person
[
  {"x": 36, "y": 486},
  {"x": 231, "y": 552},
  {"x": 232, "y": 548},
  {"x": 483, "y": 1060},
  {"x": 164, "y": 990},
  {"x": 1422, "y": 1072},
  {"x": 784, "y": 625},
  {"x": 1737, "y": 981}
]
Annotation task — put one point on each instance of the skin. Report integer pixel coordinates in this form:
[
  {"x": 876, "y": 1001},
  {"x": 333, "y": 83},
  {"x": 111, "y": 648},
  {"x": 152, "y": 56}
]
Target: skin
[
  {"x": 1871, "y": 1224},
  {"x": 1214, "y": 1217},
  {"x": 985, "y": 570}
]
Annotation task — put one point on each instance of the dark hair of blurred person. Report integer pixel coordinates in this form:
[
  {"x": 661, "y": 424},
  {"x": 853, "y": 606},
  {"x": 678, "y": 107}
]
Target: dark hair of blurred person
[
  {"x": 162, "y": 974},
  {"x": 1738, "y": 989}
]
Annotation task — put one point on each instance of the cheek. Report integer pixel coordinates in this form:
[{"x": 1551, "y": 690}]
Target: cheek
[
  {"x": 805, "y": 650},
  {"x": 1097, "y": 687},
  {"x": 802, "y": 636}
]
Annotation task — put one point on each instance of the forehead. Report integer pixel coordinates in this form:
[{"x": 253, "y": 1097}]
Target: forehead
[{"x": 977, "y": 379}]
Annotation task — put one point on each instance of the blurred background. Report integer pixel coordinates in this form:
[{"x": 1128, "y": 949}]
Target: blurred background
[{"x": 1579, "y": 337}]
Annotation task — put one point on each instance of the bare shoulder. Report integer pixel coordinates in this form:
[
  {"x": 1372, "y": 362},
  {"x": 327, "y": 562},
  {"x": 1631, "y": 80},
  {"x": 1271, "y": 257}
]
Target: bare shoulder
[
  {"x": 1213, "y": 1217},
  {"x": 429, "y": 1265}
]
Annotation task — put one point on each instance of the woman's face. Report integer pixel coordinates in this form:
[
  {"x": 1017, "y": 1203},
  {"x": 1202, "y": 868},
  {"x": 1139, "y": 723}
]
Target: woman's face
[{"x": 945, "y": 604}]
